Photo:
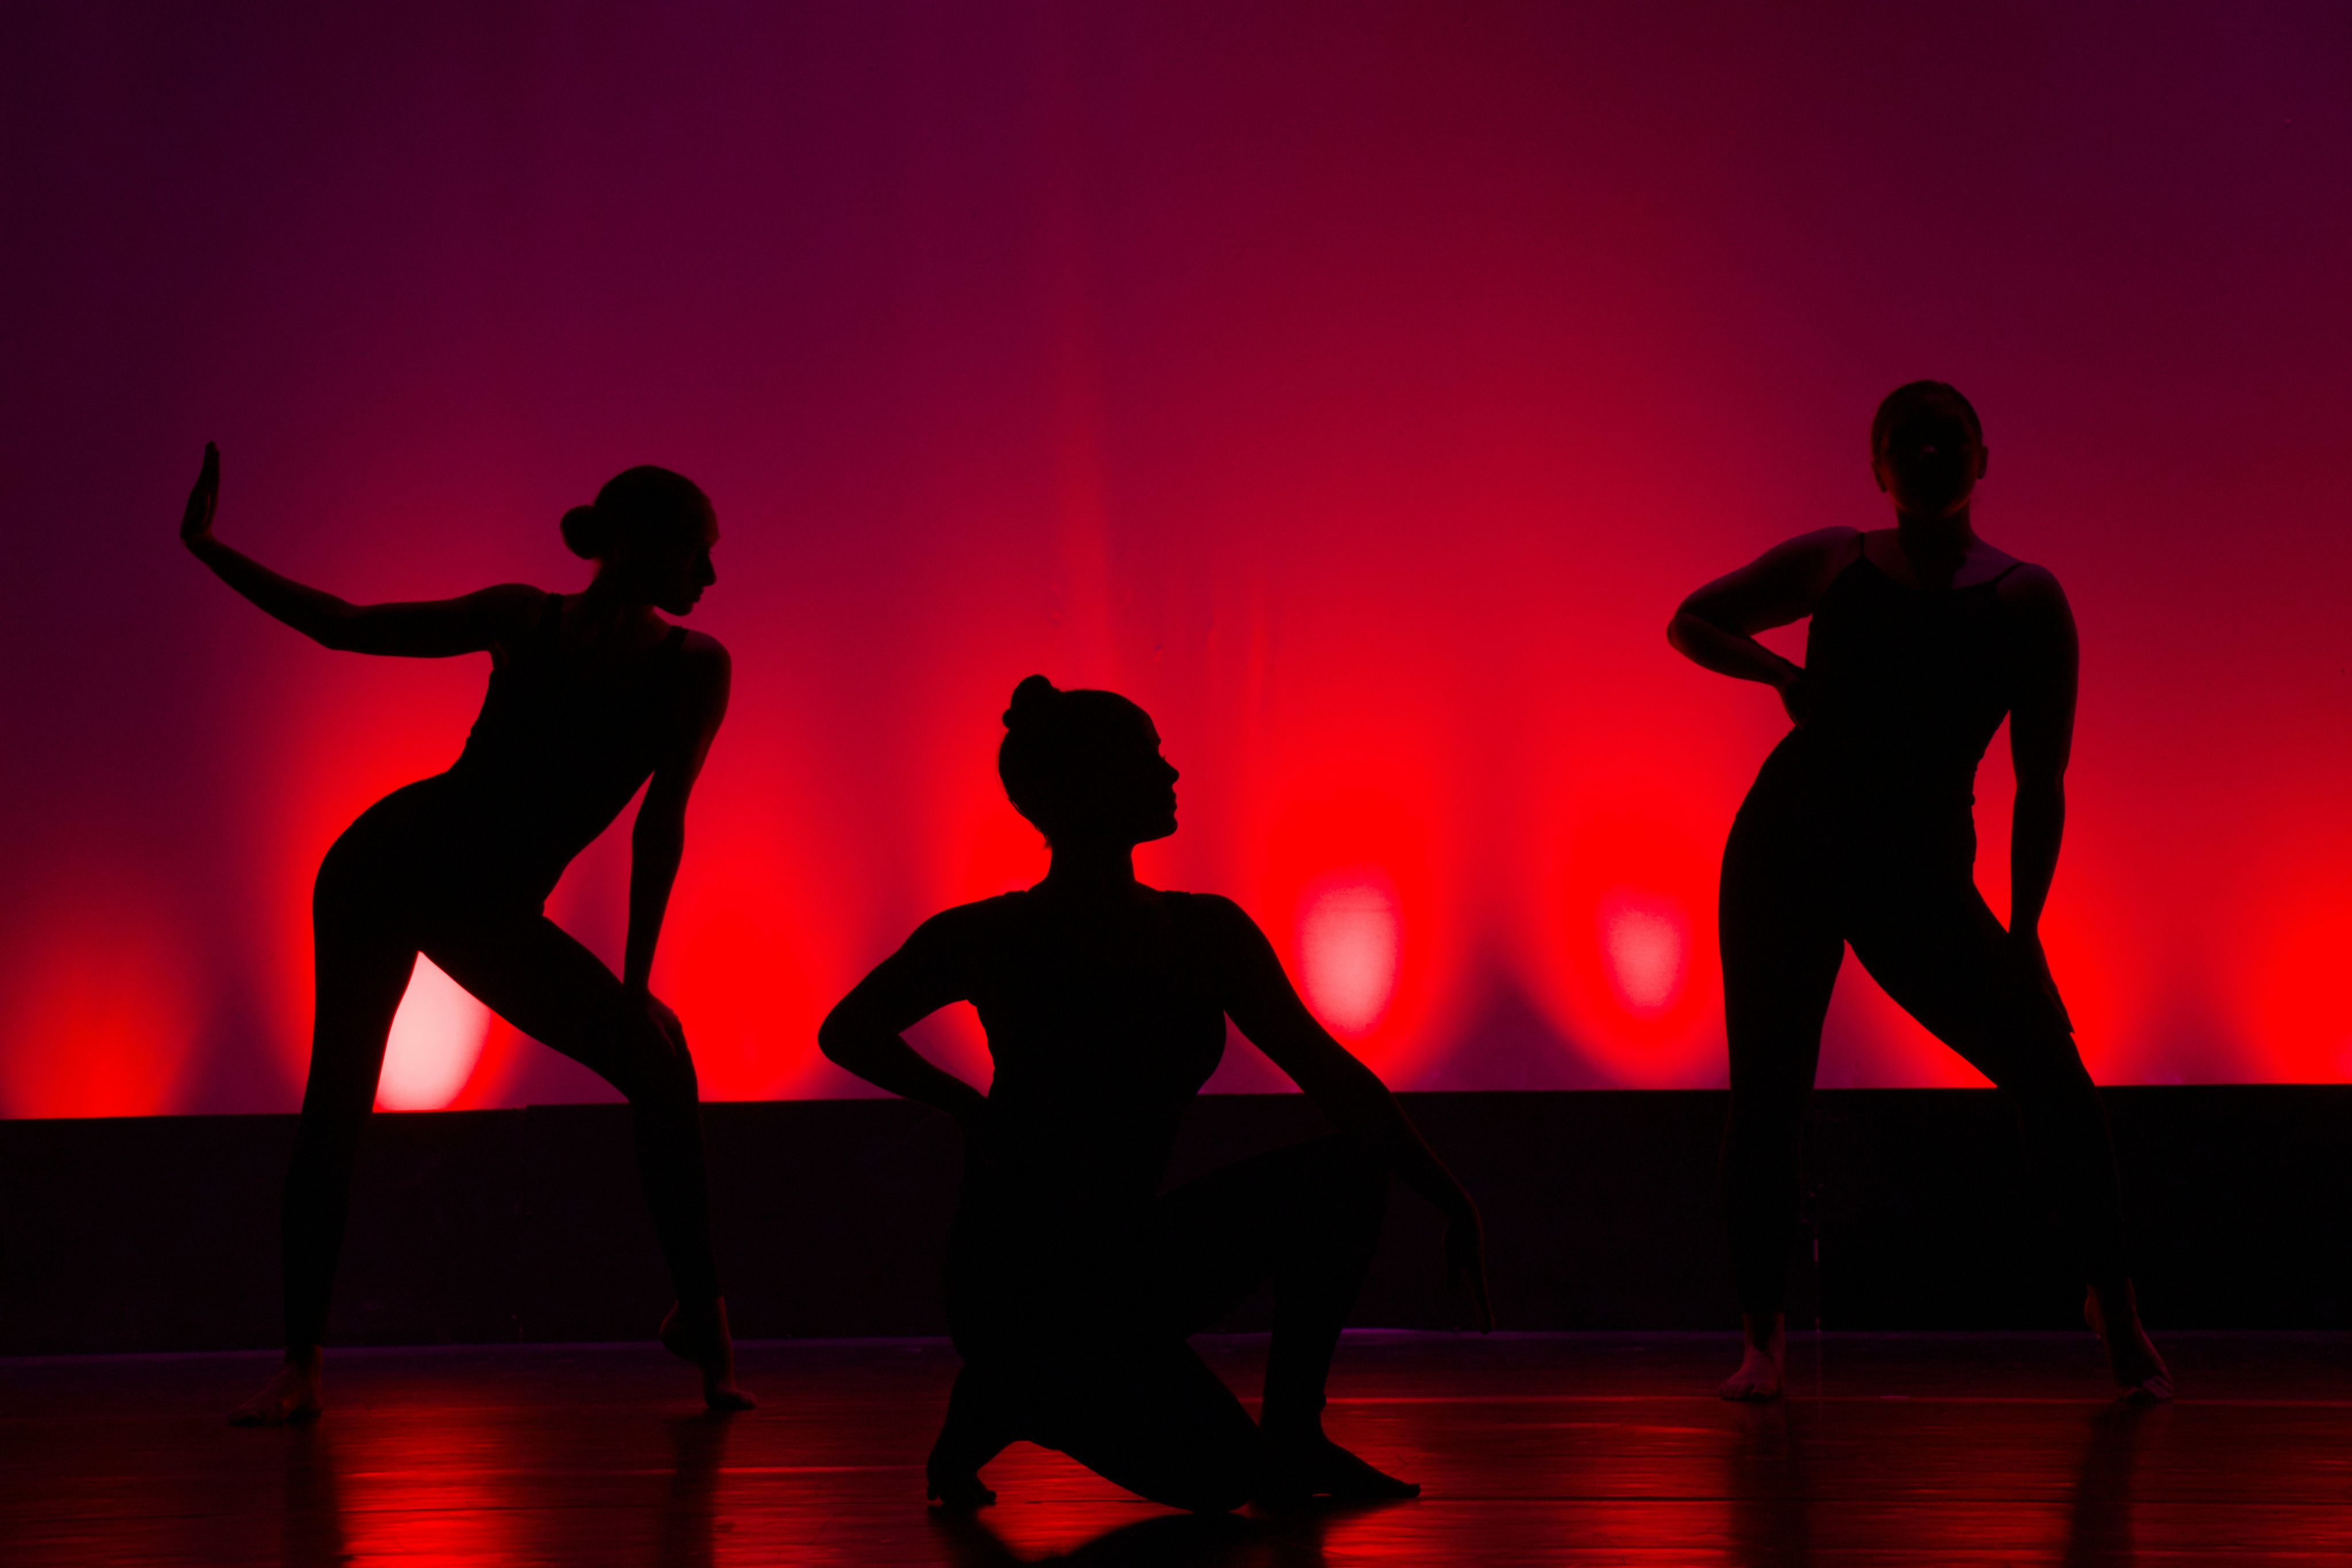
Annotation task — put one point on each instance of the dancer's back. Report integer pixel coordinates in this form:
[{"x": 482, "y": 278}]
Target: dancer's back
[{"x": 566, "y": 736}]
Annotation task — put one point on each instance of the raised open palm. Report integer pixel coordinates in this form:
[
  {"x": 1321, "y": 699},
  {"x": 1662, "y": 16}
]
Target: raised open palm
[{"x": 203, "y": 500}]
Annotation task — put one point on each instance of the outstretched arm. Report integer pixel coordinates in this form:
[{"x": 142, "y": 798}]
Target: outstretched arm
[
  {"x": 658, "y": 840},
  {"x": 432, "y": 629},
  {"x": 1260, "y": 1000},
  {"x": 2040, "y": 740},
  {"x": 1715, "y": 627},
  {"x": 865, "y": 1032}
]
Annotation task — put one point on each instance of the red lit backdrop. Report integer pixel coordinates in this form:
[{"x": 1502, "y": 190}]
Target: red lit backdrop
[{"x": 1358, "y": 387}]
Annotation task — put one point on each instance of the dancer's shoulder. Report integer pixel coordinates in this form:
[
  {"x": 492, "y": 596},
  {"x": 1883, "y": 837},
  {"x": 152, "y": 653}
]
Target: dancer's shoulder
[
  {"x": 1214, "y": 915},
  {"x": 2030, "y": 587}
]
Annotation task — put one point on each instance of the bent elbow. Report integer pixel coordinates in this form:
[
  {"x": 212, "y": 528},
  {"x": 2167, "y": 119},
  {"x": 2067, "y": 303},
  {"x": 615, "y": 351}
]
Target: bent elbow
[
  {"x": 334, "y": 631},
  {"x": 836, "y": 1039}
]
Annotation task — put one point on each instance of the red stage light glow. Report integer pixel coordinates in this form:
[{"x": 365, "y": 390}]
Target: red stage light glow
[{"x": 1357, "y": 398}]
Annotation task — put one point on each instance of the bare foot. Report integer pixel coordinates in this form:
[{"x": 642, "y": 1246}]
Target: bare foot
[
  {"x": 1310, "y": 1465},
  {"x": 977, "y": 1429},
  {"x": 701, "y": 1337},
  {"x": 292, "y": 1394},
  {"x": 2140, "y": 1374},
  {"x": 1763, "y": 1363}
]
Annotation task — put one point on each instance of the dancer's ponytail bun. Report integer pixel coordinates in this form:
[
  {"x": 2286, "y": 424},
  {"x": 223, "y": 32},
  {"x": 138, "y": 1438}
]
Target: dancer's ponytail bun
[
  {"x": 586, "y": 533},
  {"x": 1033, "y": 700}
]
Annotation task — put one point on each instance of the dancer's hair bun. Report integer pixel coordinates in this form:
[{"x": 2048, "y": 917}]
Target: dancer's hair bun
[
  {"x": 585, "y": 532},
  {"x": 1032, "y": 699}
]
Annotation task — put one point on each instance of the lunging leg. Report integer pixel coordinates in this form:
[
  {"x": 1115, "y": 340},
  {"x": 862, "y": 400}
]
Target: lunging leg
[
  {"x": 361, "y": 963},
  {"x": 536, "y": 977}
]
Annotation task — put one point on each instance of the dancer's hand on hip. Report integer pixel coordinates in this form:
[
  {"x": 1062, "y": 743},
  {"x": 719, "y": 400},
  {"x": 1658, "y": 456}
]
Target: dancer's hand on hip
[{"x": 667, "y": 1028}]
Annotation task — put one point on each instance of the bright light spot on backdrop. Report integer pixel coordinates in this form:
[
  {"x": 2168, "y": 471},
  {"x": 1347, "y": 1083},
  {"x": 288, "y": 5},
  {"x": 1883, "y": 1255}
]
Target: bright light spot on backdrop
[
  {"x": 1647, "y": 940},
  {"x": 436, "y": 1038},
  {"x": 1348, "y": 938}
]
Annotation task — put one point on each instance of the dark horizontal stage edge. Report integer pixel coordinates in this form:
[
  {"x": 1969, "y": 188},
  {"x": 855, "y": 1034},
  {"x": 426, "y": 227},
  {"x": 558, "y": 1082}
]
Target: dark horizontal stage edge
[{"x": 159, "y": 1234}]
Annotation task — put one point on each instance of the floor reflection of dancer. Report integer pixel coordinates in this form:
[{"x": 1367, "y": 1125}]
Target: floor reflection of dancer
[
  {"x": 1859, "y": 830},
  {"x": 1072, "y": 1282},
  {"x": 590, "y": 694}
]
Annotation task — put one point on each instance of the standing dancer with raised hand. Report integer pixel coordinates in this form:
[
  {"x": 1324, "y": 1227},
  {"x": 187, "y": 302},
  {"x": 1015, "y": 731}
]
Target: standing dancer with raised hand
[
  {"x": 1859, "y": 830},
  {"x": 590, "y": 695},
  {"x": 1072, "y": 1282}
]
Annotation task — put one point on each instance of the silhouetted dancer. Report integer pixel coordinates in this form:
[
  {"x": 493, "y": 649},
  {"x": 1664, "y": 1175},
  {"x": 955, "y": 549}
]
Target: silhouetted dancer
[
  {"x": 590, "y": 694},
  {"x": 1072, "y": 1282},
  {"x": 1859, "y": 830}
]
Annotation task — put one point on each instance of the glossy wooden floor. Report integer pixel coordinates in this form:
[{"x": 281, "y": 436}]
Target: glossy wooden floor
[{"x": 1583, "y": 1449}]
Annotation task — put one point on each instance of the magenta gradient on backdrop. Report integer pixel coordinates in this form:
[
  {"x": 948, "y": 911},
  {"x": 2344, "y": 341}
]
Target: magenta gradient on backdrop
[{"x": 1357, "y": 387}]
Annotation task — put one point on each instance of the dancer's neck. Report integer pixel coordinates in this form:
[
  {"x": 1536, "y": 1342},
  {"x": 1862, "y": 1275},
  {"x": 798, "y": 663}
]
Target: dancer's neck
[
  {"x": 1936, "y": 545},
  {"x": 1096, "y": 872}
]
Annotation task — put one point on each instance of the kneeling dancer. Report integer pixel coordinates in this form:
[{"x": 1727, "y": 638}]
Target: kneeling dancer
[{"x": 1072, "y": 1282}]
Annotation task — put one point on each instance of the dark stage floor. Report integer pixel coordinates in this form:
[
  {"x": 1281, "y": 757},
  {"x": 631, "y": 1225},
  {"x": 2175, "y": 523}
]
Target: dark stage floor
[{"x": 1557, "y": 1449}]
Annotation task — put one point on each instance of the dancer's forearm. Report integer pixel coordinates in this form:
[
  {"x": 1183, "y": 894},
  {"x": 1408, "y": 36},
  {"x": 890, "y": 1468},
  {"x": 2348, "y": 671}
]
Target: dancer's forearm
[
  {"x": 1728, "y": 653},
  {"x": 1357, "y": 1102},
  {"x": 2037, "y": 824},
  {"x": 655, "y": 848},
  {"x": 317, "y": 615},
  {"x": 884, "y": 1058}
]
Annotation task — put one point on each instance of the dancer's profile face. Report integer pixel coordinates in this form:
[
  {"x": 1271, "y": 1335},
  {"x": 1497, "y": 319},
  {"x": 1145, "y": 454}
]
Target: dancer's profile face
[
  {"x": 670, "y": 568},
  {"x": 1152, "y": 780},
  {"x": 1929, "y": 460},
  {"x": 1130, "y": 795}
]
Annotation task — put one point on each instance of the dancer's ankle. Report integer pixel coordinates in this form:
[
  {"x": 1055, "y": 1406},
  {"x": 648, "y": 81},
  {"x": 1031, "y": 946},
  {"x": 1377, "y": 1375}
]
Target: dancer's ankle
[
  {"x": 2113, "y": 1305},
  {"x": 1292, "y": 1426}
]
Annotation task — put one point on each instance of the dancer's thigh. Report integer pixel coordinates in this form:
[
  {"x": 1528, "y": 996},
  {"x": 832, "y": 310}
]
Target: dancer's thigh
[
  {"x": 1781, "y": 944},
  {"x": 1936, "y": 949},
  {"x": 539, "y": 978},
  {"x": 363, "y": 948}
]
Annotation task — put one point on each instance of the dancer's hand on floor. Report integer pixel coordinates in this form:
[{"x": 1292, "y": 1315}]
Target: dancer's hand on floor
[{"x": 1465, "y": 1263}]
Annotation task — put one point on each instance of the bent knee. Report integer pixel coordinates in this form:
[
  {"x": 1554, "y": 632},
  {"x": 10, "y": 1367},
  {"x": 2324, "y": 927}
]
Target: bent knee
[{"x": 1352, "y": 1178}]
